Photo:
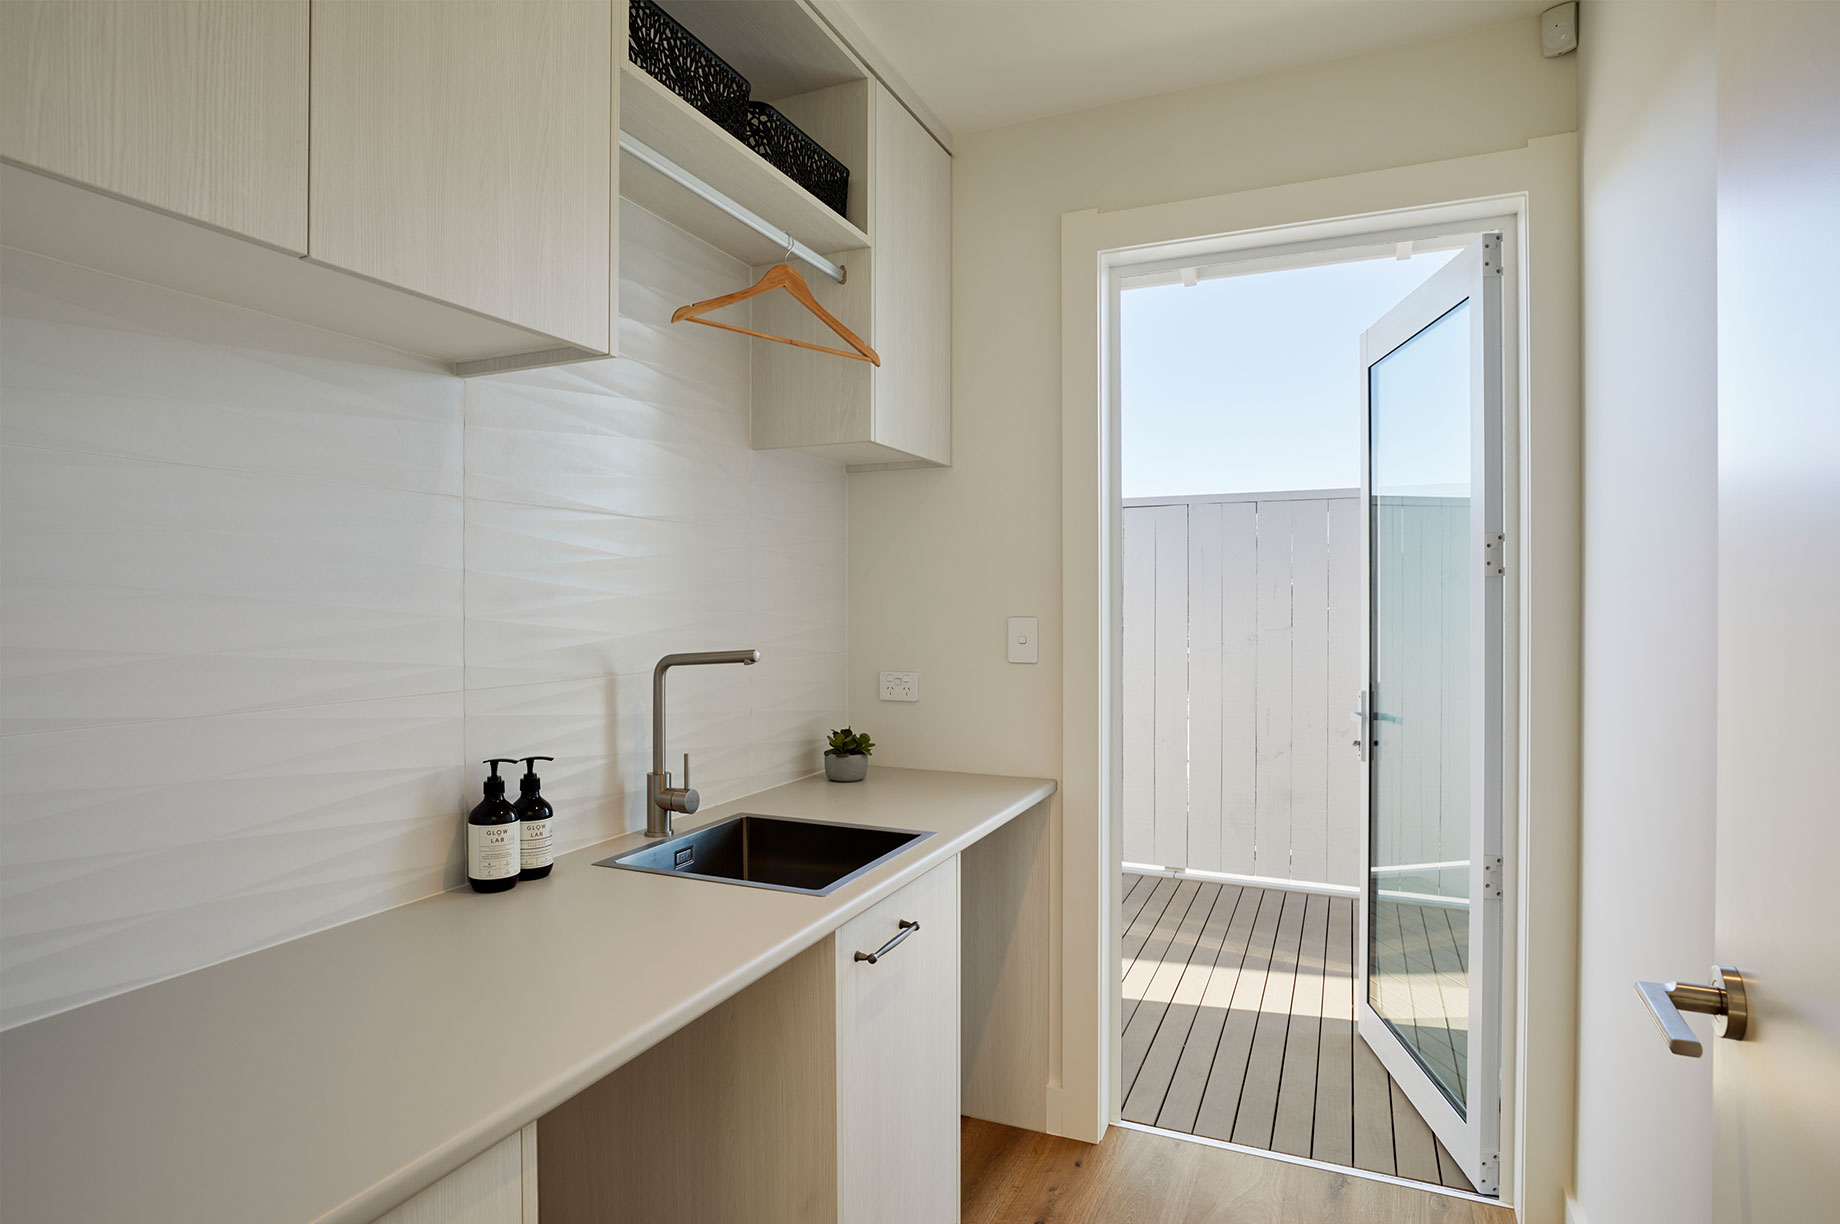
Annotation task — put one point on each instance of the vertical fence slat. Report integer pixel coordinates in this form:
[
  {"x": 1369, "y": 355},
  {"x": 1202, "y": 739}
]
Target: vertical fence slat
[
  {"x": 1206, "y": 642},
  {"x": 1271, "y": 855},
  {"x": 1139, "y": 566},
  {"x": 1242, "y": 660},
  {"x": 1171, "y": 667},
  {"x": 1238, "y": 685},
  {"x": 1309, "y": 689},
  {"x": 1345, "y": 775}
]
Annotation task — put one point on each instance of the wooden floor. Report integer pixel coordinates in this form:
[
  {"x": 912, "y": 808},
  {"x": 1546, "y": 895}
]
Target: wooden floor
[
  {"x": 1239, "y": 1025},
  {"x": 1014, "y": 1176}
]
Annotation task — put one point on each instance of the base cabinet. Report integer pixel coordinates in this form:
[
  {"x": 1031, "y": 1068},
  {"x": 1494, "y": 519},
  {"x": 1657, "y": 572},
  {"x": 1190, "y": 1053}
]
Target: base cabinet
[
  {"x": 498, "y": 1186},
  {"x": 897, "y": 1057},
  {"x": 825, "y": 1093}
]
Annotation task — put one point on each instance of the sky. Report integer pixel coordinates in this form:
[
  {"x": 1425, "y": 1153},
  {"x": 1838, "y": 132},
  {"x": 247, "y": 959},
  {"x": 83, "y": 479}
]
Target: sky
[{"x": 1253, "y": 383}]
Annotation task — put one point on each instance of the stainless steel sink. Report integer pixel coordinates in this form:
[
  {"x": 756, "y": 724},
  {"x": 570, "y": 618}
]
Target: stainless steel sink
[{"x": 779, "y": 852}]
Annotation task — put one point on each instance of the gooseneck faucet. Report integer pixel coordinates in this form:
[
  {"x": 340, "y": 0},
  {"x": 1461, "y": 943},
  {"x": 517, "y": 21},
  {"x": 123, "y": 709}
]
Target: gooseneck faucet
[{"x": 661, "y": 798}]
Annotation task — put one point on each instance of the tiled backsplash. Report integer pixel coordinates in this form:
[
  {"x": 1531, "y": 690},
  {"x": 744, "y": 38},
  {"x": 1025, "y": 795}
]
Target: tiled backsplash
[{"x": 268, "y": 594}]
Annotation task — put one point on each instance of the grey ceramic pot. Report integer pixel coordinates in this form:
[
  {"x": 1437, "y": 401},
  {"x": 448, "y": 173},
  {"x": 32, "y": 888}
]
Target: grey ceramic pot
[{"x": 846, "y": 768}]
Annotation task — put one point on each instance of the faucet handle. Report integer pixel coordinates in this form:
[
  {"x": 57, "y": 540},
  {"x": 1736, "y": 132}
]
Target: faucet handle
[{"x": 688, "y": 800}]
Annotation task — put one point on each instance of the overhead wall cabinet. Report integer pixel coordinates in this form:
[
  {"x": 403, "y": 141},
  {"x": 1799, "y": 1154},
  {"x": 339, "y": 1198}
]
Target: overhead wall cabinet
[
  {"x": 464, "y": 151},
  {"x": 460, "y": 160},
  {"x": 442, "y": 178},
  {"x": 196, "y": 107}
]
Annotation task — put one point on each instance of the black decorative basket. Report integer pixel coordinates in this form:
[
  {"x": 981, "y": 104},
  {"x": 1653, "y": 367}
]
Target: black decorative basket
[
  {"x": 678, "y": 59},
  {"x": 803, "y": 159}
]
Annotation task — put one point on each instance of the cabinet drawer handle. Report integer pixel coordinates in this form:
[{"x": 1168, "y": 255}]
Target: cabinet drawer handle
[{"x": 907, "y": 928}]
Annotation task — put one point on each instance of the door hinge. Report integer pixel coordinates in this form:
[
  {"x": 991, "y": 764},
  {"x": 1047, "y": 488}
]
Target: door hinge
[
  {"x": 1495, "y": 555},
  {"x": 1491, "y": 875},
  {"x": 1491, "y": 255},
  {"x": 1488, "y": 1176}
]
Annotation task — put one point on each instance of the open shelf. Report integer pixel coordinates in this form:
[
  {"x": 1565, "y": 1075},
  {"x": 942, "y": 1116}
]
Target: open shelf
[{"x": 660, "y": 119}]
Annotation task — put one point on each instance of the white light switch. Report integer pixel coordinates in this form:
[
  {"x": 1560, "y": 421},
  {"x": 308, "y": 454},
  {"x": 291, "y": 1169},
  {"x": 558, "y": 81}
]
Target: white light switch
[
  {"x": 1022, "y": 645},
  {"x": 900, "y": 686}
]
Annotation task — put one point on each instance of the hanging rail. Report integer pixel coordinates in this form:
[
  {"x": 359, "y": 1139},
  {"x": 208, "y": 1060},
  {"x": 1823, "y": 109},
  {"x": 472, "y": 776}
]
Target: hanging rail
[{"x": 747, "y": 216}]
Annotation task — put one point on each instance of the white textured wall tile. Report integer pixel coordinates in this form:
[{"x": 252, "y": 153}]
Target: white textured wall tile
[
  {"x": 268, "y": 595},
  {"x": 110, "y": 366},
  {"x": 565, "y": 595},
  {"x": 141, "y": 590},
  {"x": 137, "y": 852}
]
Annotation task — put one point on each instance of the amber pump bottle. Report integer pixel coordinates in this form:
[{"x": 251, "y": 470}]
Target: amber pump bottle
[
  {"x": 493, "y": 856},
  {"x": 534, "y": 819}
]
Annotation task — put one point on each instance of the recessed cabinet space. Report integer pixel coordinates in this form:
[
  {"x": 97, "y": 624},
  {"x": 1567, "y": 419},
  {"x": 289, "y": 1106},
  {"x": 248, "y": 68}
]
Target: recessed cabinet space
[
  {"x": 194, "y": 107},
  {"x": 435, "y": 177},
  {"x": 825, "y": 1093},
  {"x": 464, "y": 151},
  {"x": 897, "y": 296},
  {"x": 893, "y": 241}
]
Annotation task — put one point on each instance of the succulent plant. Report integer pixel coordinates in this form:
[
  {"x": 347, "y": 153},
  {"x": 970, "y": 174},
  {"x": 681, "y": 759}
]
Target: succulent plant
[{"x": 850, "y": 743}]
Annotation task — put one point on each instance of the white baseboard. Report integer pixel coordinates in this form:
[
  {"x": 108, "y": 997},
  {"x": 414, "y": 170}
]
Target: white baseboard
[{"x": 1573, "y": 1213}]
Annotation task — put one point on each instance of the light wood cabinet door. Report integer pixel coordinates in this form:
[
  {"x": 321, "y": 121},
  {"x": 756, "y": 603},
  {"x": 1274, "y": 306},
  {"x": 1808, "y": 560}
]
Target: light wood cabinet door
[
  {"x": 897, "y": 1058},
  {"x": 195, "y": 107},
  {"x": 465, "y": 150},
  {"x": 911, "y": 228}
]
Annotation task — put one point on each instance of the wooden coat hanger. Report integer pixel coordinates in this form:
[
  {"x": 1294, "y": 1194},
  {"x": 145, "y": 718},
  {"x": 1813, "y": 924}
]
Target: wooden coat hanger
[{"x": 781, "y": 276}]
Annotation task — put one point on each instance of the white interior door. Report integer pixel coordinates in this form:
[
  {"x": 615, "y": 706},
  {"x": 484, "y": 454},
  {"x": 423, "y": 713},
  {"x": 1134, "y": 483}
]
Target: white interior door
[
  {"x": 1431, "y": 715},
  {"x": 1777, "y": 1091}
]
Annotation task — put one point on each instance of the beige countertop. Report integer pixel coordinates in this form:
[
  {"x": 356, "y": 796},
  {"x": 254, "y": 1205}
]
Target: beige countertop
[{"x": 334, "y": 1076}]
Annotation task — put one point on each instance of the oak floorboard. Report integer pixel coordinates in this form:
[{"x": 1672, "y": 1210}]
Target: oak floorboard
[{"x": 1021, "y": 1177}]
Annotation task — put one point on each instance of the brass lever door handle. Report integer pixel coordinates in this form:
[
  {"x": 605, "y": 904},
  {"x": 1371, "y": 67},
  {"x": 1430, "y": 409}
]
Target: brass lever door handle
[{"x": 1724, "y": 1000}]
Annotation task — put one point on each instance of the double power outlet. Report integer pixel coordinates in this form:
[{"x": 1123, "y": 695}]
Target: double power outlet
[{"x": 900, "y": 686}]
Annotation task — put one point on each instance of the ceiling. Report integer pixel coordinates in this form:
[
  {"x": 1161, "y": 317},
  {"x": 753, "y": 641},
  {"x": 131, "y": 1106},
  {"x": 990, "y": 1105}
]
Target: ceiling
[{"x": 986, "y": 63}]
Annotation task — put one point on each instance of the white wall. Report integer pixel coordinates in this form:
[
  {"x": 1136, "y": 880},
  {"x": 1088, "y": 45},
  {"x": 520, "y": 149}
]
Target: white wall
[
  {"x": 940, "y": 558},
  {"x": 269, "y": 594},
  {"x": 1646, "y": 123}
]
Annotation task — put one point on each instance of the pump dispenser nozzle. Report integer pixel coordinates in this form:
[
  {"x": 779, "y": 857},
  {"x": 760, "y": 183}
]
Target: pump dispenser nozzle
[
  {"x": 529, "y": 783},
  {"x": 495, "y": 785}
]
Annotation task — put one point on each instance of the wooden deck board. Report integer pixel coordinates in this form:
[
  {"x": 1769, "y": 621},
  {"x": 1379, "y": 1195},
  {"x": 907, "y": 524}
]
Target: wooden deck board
[
  {"x": 1258, "y": 1098},
  {"x": 1244, "y": 1028},
  {"x": 1142, "y": 1021},
  {"x": 1333, "y": 1138},
  {"x": 1294, "y": 1125},
  {"x": 1143, "y": 966},
  {"x": 1147, "y": 1084},
  {"x": 1227, "y": 1075}
]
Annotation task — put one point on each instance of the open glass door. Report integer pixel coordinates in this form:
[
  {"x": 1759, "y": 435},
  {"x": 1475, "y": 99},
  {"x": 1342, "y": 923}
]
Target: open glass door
[{"x": 1431, "y": 912}]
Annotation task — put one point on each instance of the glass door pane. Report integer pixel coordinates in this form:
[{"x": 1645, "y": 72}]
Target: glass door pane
[{"x": 1419, "y": 503}]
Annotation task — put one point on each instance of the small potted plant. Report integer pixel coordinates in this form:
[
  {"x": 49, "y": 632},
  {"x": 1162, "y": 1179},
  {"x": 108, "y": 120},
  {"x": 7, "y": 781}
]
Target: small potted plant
[{"x": 847, "y": 758}]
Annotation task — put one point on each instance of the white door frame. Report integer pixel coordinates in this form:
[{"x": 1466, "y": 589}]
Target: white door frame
[{"x": 1536, "y": 187}]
